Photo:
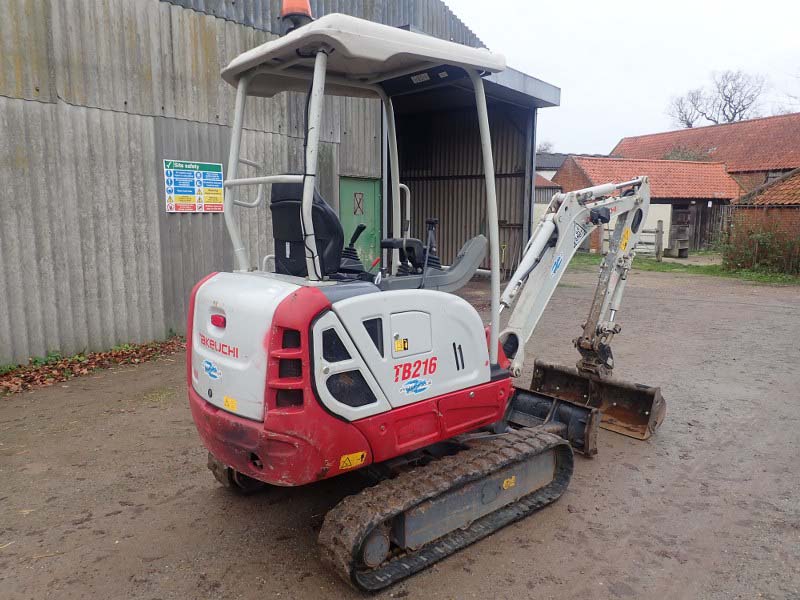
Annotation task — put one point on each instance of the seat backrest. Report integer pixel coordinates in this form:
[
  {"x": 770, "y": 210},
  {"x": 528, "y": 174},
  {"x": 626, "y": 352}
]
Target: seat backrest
[{"x": 290, "y": 257}]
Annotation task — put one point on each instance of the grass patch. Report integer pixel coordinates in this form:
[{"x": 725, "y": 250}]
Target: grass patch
[
  {"x": 584, "y": 262},
  {"x": 651, "y": 264}
]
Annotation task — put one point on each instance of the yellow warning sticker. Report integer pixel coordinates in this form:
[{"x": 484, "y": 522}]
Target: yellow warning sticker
[
  {"x": 626, "y": 235},
  {"x": 229, "y": 403},
  {"x": 349, "y": 461},
  {"x": 509, "y": 482},
  {"x": 401, "y": 344}
]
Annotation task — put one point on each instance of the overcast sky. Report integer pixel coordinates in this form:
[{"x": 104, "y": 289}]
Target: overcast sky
[{"x": 618, "y": 62}]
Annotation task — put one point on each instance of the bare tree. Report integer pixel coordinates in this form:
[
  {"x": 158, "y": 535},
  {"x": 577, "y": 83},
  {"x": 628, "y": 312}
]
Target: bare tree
[
  {"x": 544, "y": 146},
  {"x": 732, "y": 96},
  {"x": 683, "y": 111}
]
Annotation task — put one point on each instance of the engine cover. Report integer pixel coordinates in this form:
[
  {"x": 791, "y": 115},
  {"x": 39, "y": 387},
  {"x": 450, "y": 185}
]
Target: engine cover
[
  {"x": 229, "y": 364},
  {"x": 404, "y": 347}
]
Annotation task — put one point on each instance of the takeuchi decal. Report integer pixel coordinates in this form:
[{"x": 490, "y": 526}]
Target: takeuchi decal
[{"x": 224, "y": 349}]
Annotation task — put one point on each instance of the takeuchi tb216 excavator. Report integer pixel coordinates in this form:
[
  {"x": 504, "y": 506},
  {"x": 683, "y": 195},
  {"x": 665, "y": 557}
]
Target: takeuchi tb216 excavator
[{"x": 309, "y": 365}]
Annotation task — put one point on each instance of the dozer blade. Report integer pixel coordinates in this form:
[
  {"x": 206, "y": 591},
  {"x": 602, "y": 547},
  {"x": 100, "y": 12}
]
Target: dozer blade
[{"x": 631, "y": 409}]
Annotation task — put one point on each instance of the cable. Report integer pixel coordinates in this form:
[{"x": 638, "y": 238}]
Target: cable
[{"x": 312, "y": 251}]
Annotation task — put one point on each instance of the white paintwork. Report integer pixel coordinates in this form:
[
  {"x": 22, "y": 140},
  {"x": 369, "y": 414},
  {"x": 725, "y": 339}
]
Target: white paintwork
[
  {"x": 570, "y": 214},
  {"x": 419, "y": 323},
  {"x": 361, "y": 50},
  {"x": 658, "y": 212},
  {"x": 324, "y": 369},
  {"x": 352, "y": 57},
  {"x": 533, "y": 251},
  {"x": 248, "y": 302},
  {"x": 239, "y": 250},
  {"x": 314, "y": 121},
  {"x": 492, "y": 226},
  {"x": 452, "y": 320}
]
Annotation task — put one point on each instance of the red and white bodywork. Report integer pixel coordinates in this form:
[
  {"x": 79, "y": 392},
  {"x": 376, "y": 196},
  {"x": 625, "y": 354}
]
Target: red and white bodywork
[
  {"x": 291, "y": 383},
  {"x": 295, "y": 378}
]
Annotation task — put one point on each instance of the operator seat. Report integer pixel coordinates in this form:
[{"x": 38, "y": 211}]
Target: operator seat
[{"x": 290, "y": 256}]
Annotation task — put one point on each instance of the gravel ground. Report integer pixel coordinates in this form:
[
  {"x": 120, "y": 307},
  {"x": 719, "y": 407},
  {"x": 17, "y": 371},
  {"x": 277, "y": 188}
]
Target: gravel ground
[{"x": 105, "y": 492}]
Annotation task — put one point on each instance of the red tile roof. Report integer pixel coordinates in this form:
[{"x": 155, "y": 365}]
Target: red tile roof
[
  {"x": 771, "y": 143},
  {"x": 784, "y": 191},
  {"x": 668, "y": 178},
  {"x": 544, "y": 182}
]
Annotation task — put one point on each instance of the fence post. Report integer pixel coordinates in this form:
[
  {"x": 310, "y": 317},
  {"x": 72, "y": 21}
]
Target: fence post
[{"x": 659, "y": 240}]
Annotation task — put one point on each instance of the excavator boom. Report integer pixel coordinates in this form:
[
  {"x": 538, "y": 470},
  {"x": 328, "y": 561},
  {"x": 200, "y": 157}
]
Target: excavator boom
[{"x": 631, "y": 409}]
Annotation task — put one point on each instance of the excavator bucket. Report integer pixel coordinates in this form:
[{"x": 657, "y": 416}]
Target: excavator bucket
[{"x": 631, "y": 409}]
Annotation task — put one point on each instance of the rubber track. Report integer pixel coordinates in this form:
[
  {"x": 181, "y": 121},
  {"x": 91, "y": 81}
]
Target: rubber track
[{"x": 349, "y": 522}]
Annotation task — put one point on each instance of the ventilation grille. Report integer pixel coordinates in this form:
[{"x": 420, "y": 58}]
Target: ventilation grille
[
  {"x": 290, "y": 367},
  {"x": 285, "y": 388},
  {"x": 289, "y": 398},
  {"x": 291, "y": 338}
]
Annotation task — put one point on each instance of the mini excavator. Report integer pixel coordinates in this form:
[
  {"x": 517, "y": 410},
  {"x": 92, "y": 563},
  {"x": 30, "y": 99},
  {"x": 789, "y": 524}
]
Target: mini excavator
[{"x": 317, "y": 367}]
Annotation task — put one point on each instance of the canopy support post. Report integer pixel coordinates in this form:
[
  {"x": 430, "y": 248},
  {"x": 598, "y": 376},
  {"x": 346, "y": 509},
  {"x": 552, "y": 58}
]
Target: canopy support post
[
  {"x": 310, "y": 173},
  {"x": 394, "y": 172},
  {"x": 240, "y": 253},
  {"x": 492, "y": 227}
]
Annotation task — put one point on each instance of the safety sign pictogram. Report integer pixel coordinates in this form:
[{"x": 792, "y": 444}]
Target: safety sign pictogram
[{"x": 192, "y": 186}]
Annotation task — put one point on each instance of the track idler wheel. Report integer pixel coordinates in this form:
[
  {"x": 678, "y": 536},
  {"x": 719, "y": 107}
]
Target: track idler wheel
[
  {"x": 375, "y": 549},
  {"x": 234, "y": 480}
]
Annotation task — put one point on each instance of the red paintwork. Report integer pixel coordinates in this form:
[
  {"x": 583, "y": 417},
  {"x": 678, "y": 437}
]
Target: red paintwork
[
  {"x": 301, "y": 444},
  {"x": 502, "y": 359},
  {"x": 415, "y": 426},
  {"x": 296, "y": 444}
]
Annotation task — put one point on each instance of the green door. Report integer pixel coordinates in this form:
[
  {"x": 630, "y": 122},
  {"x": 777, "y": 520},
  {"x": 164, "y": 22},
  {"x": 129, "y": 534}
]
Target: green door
[{"x": 360, "y": 202}]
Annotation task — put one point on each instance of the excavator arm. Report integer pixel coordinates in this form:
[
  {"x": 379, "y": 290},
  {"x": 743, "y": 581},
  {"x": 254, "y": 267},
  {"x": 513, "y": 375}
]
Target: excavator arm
[
  {"x": 569, "y": 219},
  {"x": 631, "y": 409}
]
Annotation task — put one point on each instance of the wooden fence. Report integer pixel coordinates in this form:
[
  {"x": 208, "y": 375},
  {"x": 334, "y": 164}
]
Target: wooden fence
[{"x": 651, "y": 241}]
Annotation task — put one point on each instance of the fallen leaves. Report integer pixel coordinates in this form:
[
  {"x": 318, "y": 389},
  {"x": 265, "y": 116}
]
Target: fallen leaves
[{"x": 60, "y": 369}]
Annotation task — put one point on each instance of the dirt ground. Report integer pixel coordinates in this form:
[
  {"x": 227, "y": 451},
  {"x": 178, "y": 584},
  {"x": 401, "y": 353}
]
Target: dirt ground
[{"x": 105, "y": 492}]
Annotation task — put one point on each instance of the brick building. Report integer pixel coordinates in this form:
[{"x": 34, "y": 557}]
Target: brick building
[
  {"x": 548, "y": 163},
  {"x": 687, "y": 196},
  {"x": 772, "y": 213},
  {"x": 755, "y": 152}
]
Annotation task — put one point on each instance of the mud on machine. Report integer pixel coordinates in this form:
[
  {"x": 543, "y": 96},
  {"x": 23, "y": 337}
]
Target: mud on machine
[{"x": 318, "y": 367}]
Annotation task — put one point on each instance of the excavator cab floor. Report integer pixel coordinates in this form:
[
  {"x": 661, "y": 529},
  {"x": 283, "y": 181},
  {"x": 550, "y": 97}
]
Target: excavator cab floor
[{"x": 631, "y": 409}]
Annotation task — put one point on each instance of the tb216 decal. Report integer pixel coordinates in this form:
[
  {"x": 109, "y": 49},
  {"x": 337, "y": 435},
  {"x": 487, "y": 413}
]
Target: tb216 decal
[{"x": 414, "y": 369}]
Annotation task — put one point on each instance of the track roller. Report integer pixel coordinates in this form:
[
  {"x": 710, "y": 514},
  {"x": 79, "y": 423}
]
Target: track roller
[{"x": 403, "y": 525}]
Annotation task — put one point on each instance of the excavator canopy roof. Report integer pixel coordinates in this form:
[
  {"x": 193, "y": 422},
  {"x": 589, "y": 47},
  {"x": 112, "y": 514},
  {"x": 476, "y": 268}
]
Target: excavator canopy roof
[{"x": 360, "y": 51}]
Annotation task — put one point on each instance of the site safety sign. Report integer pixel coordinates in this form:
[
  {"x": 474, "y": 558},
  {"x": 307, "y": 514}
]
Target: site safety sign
[{"x": 193, "y": 186}]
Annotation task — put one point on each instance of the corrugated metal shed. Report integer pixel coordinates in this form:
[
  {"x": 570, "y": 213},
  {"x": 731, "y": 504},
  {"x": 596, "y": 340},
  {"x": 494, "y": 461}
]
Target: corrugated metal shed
[
  {"x": 24, "y": 50},
  {"x": 94, "y": 95},
  {"x": 440, "y": 161},
  {"x": 90, "y": 258},
  {"x": 431, "y": 16},
  {"x": 81, "y": 266}
]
